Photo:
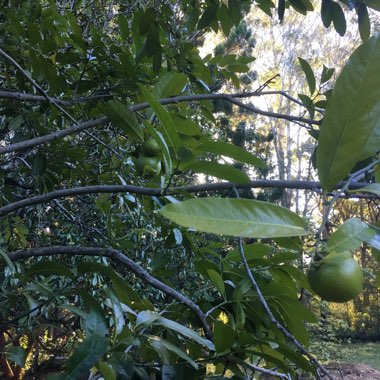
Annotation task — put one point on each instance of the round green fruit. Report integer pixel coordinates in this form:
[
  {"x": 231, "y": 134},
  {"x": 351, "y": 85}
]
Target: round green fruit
[
  {"x": 151, "y": 148},
  {"x": 148, "y": 167},
  {"x": 338, "y": 278}
]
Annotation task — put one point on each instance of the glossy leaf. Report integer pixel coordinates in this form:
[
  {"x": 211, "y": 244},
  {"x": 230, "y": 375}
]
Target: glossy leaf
[
  {"x": 350, "y": 130},
  {"x": 236, "y": 217},
  {"x": 232, "y": 151}
]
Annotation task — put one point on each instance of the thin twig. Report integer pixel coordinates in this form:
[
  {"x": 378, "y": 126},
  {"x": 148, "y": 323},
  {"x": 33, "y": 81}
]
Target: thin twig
[
  {"x": 52, "y": 100},
  {"x": 331, "y": 202},
  {"x": 122, "y": 258},
  {"x": 272, "y": 318}
]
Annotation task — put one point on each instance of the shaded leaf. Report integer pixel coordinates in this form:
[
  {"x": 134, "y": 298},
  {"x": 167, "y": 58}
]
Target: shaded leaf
[
  {"x": 169, "y": 130},
  {"x": 232, "y": 151},
  {"x": 363, "y": 21},
  {"x": 309, "y": 74},
  {"x": 85, "y": 357},
  {"x": 17, "y": 355},
  {"x": 236, "y": 217},
  {"x": 47, "y": 268},
  {"x": 338, "y": 18},
  {"x": 227, "y": 172},
  {"x": 160, "y": 345}
]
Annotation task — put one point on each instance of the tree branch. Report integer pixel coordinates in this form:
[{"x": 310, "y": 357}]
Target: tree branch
[
  {"x": 217, "y": 186},
  {"x": 119, "y": 257},
  {"x": 138, "y": 107},
  {"x": 273, "y": 320}
]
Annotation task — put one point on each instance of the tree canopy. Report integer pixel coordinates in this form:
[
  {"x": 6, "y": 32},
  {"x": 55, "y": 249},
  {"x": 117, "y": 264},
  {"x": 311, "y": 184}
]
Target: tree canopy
[{"x": 136, "y": 236}]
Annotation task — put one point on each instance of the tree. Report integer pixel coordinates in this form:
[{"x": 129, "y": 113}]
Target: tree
[{"x": 117, "y": 257}]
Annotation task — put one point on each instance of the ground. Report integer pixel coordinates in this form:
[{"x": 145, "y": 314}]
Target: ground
[{"x": 353, "y": 371}]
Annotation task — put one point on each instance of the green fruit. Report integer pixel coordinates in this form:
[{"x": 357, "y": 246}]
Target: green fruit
[
  {"x": 149, "y": 167},
  {"x": 151, "y": 148},
  {"x": 337, "y": 278}
]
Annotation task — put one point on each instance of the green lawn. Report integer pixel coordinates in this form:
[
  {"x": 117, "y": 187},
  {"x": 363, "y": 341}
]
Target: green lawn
[{"x": 365, "y": 353}]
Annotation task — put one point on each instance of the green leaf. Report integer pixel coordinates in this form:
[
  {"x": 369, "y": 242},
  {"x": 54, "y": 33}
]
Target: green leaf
[
  {"x": 164, "y": 149},
  {"x": 146, "y": 318},
  {"x": 326, "y": 74},
  {"x": 234, "y": 11},
  {"x": 338, "y": 19},
  {"x": 374, "y": 4},
  {"x": 121, "y": 116},
  {"x": 17, "y": 355},
  {"x": 236, "y": 217},
  {"x": 308, "y": 103},
  {"x": 103, "y": 203},
  {"x": 299, "y": 6},
  {"x": 363, "y": 21},
  {"x": 224, "y": 337},
  {"x": 217, "y": 280},
  {"x": 159, "y": 344},
  {"x": 189, "y": 333},
  {"x": 309, "y": 74},
  {"x": 85, "y": 357},
  {"x": 377, "y": 281},
  {"x": 232, "y": 151},
  {"x": 105, "y": 370},
  {"x": 327, "y": 12},
  {"x": 227, "y": 172},
  {"x": 349, "y": 236},
  {"x": 170, "y": 84},
  {"x": 373, "y": 188},
  {"x": 225, "y": 20},
  {"x": 169, "y": 130},
  {"x": 48, "y": 268},
  {"x": 122, "y": 364},
  {"x": 95, "y": 324},
  {"x": 6, "y": 258},
  {"x": 281, "y": 9},
  {"x": 209, "y": 15},
  {"x": 117, "y": 310},
  {"x": 350, "y": 130}
]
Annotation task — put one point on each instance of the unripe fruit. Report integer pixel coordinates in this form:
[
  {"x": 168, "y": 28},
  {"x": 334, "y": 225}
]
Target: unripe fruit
[
  {"x": 337, "y": 278},
  {"x": 148, "y": 167},
  {"x": 151, "y": 148}
]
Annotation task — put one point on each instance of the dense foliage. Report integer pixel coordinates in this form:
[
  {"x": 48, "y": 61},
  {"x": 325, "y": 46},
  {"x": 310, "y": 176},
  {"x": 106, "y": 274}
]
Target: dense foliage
[{"x": 122, "y": 255}]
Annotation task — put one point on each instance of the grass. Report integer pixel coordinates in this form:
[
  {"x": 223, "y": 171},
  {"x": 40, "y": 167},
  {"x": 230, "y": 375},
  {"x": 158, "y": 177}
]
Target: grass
[{"x": 364, "y": 353}]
